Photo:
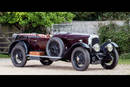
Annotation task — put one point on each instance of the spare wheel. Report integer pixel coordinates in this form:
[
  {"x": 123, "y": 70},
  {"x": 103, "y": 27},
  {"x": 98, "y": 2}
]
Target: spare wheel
[{"x": 55, "y": 47}]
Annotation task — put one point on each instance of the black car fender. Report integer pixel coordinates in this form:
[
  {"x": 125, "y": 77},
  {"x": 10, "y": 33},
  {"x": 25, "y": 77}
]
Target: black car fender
[
  {"x": 23, "y": 43},
  {"x": 103, "y": 46},
  {"x": 114, "y": 44},
  {"x": 78, "y": 44}
]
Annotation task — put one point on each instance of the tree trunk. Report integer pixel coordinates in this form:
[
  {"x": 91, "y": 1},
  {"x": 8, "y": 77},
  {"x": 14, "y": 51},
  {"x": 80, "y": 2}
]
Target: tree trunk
[{"x": 19, "y": 27}]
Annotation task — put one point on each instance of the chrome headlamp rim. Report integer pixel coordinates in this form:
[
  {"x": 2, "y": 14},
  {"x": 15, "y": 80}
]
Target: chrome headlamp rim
[
  {"x": 96, "y": 47},
  {"x": 109, "y": 47}
]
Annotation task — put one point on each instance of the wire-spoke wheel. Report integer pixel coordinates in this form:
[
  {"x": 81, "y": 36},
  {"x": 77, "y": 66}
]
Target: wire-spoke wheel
[
  {"x": 55, "y": 47},
  {"x": 18, "y": 56},
  {"x": 111, "y": 60},
  {"x": 80, "y": 59}
]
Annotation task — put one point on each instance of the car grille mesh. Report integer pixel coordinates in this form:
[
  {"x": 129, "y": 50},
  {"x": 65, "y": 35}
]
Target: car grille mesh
[{"x": 95, "y": 40}]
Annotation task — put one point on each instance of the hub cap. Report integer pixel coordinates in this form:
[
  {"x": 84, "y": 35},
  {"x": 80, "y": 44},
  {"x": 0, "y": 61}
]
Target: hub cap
[
  {"x": 54, "y": 49},
  {"x": 18, "y": 55},
  {"x": 110, "y": 59},
  {"x": 79, "y": 59}
]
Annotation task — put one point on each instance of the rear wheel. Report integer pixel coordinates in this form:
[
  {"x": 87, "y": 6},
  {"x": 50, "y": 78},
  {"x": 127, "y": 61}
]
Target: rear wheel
[
  {"x": 18, "y": 56},
  {"x": 111, "y": 60},
  {"x": 80, "y": 59},
  {"x": 46, "y": 61}
]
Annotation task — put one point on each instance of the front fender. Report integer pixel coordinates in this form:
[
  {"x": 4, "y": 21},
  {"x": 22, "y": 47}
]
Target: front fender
[
  {"x": 114, "y": 44},
  {"x": 67, "y": 54},
  {"x": 78, "y": 44},
  {"x": 84, "y": 45},
  {"x": 103, "y": 46}
]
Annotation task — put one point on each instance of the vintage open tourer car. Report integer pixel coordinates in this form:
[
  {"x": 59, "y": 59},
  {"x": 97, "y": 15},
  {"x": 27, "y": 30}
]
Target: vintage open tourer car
[{"x": 78, "y": 48}]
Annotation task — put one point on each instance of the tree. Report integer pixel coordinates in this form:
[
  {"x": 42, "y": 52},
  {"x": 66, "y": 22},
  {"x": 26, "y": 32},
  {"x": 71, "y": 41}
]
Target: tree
[
  {"x": 113, "y": 16},
  {"x": 101, "y": 16},
  {"x": 34, "y": 20},
  {"x": 85, "y": 16}
]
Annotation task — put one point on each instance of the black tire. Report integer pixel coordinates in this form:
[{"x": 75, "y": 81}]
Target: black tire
[
  {"x": 18, "y": 56},
  {"x": 81, "y": 54},
  {"x": 46, "y": 61},
  {"x": 55, "y": 47},
  {"x": 113, "y": 62}
]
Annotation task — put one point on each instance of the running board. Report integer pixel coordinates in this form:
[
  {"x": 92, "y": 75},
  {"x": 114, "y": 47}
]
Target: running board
[{"x": 38, "y": 57}]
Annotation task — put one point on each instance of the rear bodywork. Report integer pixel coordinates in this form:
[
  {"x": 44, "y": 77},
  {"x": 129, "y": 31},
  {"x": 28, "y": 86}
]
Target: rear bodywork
[{"x": 34, "y": 42}]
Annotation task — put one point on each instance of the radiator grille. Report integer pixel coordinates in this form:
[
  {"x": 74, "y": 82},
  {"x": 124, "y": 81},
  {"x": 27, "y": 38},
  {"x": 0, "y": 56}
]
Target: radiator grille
[{"x": 95, "y": 40}]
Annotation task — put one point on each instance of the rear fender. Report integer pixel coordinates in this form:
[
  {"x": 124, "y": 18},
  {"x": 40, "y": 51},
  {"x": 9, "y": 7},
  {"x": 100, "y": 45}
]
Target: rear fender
[{"x": 21, "y": 42}]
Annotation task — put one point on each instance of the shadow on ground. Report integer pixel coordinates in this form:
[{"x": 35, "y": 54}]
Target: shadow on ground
[{"x": 55, "y": 67}]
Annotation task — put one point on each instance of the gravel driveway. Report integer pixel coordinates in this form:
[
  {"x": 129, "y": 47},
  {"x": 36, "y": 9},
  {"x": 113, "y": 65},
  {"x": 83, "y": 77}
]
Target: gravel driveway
[{"x": 34, "y": 67}]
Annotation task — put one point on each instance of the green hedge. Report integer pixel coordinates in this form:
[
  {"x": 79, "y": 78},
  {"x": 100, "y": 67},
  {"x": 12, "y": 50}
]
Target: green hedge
[
  {"x": 118, "y": 34},
  {"x": 125, "y": 56},
  {"x": 101, "y": 16}
]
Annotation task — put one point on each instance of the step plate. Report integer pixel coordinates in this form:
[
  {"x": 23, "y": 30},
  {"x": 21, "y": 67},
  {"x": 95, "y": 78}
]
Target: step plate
[{"x": 38, "y": 57}]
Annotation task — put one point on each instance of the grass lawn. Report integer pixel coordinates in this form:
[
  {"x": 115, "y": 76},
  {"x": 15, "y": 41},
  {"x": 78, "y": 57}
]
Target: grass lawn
[
  {"x": 124, "y": 58},
  {"x": 124, "y": 61},
  {"x": 4, "y": 56}
]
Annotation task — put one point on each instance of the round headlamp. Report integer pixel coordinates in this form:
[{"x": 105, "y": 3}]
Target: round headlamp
[
  {"x": 109, "y": 47},
  {"x": 96, "y": 47}
]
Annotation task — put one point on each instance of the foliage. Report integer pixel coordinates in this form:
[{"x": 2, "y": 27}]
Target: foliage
[
  {"x": 118, "y": 34},
  {"x": 34, "y": 20},
  {"x": 101, "y": 16},
  {"x": 125, "y": 56},
  {"x": 82, "y": 16},
  {"x": 113, "y": 16}
]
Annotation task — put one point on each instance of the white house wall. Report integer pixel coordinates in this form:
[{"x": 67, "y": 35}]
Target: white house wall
[{"x": 87, "y": 26}]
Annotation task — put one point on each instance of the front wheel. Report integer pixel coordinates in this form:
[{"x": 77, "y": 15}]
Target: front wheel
[
  {"x": 80, "y": 59},
  {"x": 111, "y": 60}
]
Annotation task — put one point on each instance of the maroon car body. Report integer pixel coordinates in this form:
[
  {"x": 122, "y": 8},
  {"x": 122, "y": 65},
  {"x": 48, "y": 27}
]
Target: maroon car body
[
  {"x": 70, "y": 38},
  {"x": 37, "y": 42},
  {"x": 80, "y": 49}
]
